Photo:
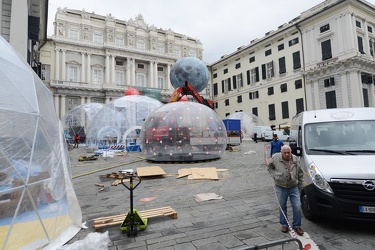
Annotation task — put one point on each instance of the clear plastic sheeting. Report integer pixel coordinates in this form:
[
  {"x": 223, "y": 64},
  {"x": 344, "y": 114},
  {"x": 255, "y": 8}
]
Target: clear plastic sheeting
[
  {"x": 38, "y": 205},
  {"x": 248, "y": 121},
  {"x": 183, "y": 131},
  {"x": 115, "y": 118},
  {"x": 78, "y": 119}
]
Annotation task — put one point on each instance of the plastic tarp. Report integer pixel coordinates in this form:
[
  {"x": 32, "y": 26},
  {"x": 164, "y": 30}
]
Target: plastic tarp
[
  {"x": 248, "y": 121},
  {"x": 38, "y": 205}
]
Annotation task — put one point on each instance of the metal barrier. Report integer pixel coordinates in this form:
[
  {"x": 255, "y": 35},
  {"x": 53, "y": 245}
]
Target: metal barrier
[{"x": 275, "y": 243}]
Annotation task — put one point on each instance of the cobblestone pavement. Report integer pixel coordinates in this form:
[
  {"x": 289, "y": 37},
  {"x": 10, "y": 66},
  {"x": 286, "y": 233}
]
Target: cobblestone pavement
[{"x": 247, "y": 214}]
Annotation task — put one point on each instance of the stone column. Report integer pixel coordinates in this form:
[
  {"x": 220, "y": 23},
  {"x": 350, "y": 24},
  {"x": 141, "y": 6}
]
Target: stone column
[
  {"x": 366, "y": 45},
  {"x": 150, "y": 72},
  {"x": 57, "y": 107},
  {"x": 63, "y": 66},
  {"x": 128, "y": 66},
  {"x": 344, "y": 89},
  {"x": 168, "y": 80},
  {"x": 133, "y": 81},
  {"x": 88, "y": 68},
  {"x": 371, "y": 95},
  {"x": 88, "y": 99},
  {"x": 83, "y": 74},
  {"x": 113, "y": 66},
  {"x": 107, "y": 69},
  {"x": 57, "y": 66},
  {"x": 155, "y": 75},
  {"x": 63, "y": 106}
]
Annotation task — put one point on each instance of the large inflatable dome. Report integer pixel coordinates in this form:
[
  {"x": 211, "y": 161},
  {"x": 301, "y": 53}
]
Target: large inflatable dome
[
  {"x": 183, "y": 131},
  {"x": 248, "y": 121},
  {"x": 110, "y": 124},
  {"x": 38, "y": 205},
  {"x": 78, "y": 119}
]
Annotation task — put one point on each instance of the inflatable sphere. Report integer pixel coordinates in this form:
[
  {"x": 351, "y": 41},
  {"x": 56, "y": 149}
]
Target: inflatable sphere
[
  {"x": 189, "y": 69},
  {"x": 131, "y": 91},
  {"x": 183, "y": 131}
]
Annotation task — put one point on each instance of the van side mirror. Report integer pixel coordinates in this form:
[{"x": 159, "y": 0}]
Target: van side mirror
[{"x": 295, "y": 149}]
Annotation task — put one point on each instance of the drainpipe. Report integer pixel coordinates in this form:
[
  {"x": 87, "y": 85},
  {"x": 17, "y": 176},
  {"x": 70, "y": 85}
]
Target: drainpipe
[{"x": 303, "y": 63}]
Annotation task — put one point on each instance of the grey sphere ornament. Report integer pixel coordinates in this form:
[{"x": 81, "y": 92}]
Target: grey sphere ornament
[{"x": 189, "y": 69}]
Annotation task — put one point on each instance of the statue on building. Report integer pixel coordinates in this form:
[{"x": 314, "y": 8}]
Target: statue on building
[
  {"x": 86, "y": 33},
  {"x": 61, "y": 29},
  {"x": 61, "y": 11},
  {"x": 85, "y": 15},
  {"x": 110, "y": 18}
]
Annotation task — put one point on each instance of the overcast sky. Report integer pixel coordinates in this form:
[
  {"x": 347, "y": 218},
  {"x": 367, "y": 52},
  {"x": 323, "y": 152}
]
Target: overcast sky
[{"x": 221, "y": 25}]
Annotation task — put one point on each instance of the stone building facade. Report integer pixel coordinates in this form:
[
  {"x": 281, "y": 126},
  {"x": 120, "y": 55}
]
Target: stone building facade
[
  {"x": 323, "y": 58},
  {"x": 93, "y": 58}
]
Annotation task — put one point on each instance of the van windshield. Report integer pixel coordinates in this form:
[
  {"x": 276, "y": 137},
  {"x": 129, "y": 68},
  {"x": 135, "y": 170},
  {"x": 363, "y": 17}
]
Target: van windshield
[{"x": 340, "y": 137}]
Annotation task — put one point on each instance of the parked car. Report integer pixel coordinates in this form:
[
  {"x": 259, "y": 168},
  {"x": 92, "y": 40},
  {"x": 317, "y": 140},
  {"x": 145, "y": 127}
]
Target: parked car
[{"x": 260, "y": 130}]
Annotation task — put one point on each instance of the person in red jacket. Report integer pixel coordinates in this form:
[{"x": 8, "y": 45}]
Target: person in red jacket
[{"x": 77, "y": 140}]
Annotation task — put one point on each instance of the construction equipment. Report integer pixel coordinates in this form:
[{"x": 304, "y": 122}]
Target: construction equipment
[{"x": 133, "y": 220}]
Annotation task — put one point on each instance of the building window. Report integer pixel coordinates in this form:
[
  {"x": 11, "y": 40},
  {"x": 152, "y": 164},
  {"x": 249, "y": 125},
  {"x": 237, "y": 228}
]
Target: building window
[
  {"x": 282, "y": 66},
  {"x": 254, "y": 95},
  {"x": 140, "y": 66},
  {"x": 372, "y": 47},
  {"x": 215, "y": 75},
  {"x": 237, "y": 81},
  {"x": 225, "y": 86},
  {"x": 360, "y": 45},
  {"x": 280, "y": 47},
  {"x": 358, "y": 24},
  {"x": 225, "y": 71},
  {"x": 270, "y": 91},
  {"x": 160, "y": 69},
  {"x": 239, "y": 98},
  {"x": 271, "y": 112},
  {"x": 299, "y": 105},
  {"x": 238, "y": 65},
  {"x": 98, "y": 38},
  {"x": 326, "y": 50},
  {"x": 255, "y": 111},
  {"x": 331, "y": 99},
  {"x": 369, "y": 29},
  {"x": 97, "y": 76},
  {"x": 329, "y": 82},
  {"x": 120, "y": 79},
  {"x": 141, "y": 80},
  {"x": 268, "y": 52},
  {"x": 293, "y": 41},
  {"x": 161, "y": 82},
  {"x": 215, "y": 89},
  {"x": 366, "y": 102},
  {"x": 227, "y": 114},
  {"x": 45, "y": 74},
  {"x": 252, "y": 59},
  {"x": 254, "y": 75},
  {"x": 192, "y": 54},
  {"x": 284, "y": 87},
  {"x": 161, "y": 50},
  {"x": 226, "y": 102},
  {"x": 285, "y": 110},
  {"x": 177, "y": 53},
  {"x": 119, "y": 41},
  {"x": 73, "y": 34},
  {"x": 141, "y": 45},
  {"x": 298, "y": 84},
  {"x": 269, "y": 67},
  {"x": 73, "y": 73},
  {"x": 296, "y": 60},
  {"x": 324, "y": 28}
]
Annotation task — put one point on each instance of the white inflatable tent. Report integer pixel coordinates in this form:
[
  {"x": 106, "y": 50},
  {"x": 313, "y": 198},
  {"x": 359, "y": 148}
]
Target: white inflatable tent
[{"x": 38, "y": 205}]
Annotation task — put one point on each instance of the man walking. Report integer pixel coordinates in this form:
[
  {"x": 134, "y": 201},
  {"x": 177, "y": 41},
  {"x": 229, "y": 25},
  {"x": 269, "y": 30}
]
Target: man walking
[
  {"x": 288, "y": 178},
  {"x": 276, "y": 145}
]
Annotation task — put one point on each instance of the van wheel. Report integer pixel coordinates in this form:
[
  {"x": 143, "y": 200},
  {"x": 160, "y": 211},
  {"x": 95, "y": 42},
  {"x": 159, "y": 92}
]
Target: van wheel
[{"x": 307, "y": 212}]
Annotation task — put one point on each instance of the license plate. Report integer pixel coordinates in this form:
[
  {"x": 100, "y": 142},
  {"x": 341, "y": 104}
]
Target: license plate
[{"x": 363, "y": 209}]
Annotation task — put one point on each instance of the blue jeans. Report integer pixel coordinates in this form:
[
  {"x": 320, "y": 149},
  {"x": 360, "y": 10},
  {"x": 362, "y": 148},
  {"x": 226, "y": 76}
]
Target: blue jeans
[{"x": 282, "y": 196}]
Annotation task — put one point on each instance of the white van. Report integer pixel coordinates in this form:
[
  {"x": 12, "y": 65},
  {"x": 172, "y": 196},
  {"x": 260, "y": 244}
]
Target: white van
[
  {"x": 336, "y": 150},
  {"x": 260, "y": 130},
  {"x": 281, "y": 135}
]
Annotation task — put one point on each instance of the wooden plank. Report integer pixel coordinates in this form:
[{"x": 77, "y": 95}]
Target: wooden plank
[
  {"x": 150, "y": 171},
  {"x": 118, "y": 219}
]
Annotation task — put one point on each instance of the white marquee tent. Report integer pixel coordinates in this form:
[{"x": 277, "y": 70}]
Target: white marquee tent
[{"x": 38, "y": 205}]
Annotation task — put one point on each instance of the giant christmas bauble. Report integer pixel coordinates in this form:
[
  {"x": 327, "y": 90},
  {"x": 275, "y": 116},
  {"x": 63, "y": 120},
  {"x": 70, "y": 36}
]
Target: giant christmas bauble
[{"x": 189, "y": 69}]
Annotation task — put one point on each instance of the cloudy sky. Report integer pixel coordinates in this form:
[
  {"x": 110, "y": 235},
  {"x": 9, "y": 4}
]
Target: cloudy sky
[{"x": 221, "y": 25}]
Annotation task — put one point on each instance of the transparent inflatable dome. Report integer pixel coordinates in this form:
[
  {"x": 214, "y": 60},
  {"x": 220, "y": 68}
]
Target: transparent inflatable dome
[
  {"x": 248, "y": 121},
  {"x": 183, "y": 131},
  {"x": 110, "y": 124}
]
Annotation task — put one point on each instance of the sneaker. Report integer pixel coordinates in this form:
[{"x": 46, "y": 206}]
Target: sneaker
[
  {"x": 298, "y": 230},
  {"x": 284, "y": 229}
]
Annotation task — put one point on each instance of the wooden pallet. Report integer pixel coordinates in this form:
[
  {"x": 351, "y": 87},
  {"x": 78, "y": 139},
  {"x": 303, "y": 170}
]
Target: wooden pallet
[{"x": 118, "y": 219}]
